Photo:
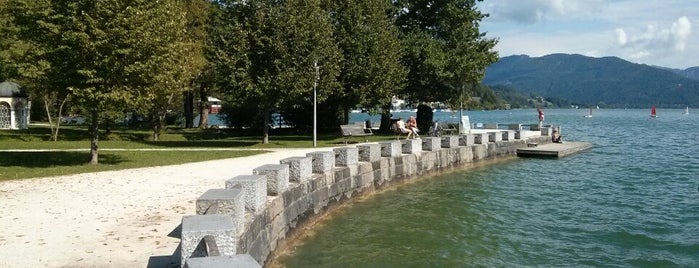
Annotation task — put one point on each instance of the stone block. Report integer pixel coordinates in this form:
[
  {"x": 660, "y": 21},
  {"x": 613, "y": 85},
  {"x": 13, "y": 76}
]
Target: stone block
[
  {"x": 411, "y": 146},
  {"x": 229, "y": 202},
  {"x": 480, "y": 138},
  {"x": 300, "y": 168},
  {"x": 391, "y": 148},
  {"x": 322, "y": 161},
  {"x": 239, "y": 261},
  {"x": 277, "y": 177},
  {"x": 254, "y": 190},
  {"x": 467, "y": 139},
  {"x": 217, "y": 228},
  {"x": 346, "y": 156},
  {"x": 508, "y": 135},
  {"x": 369, "y": 152},
  {"x": 494, "y": 136},
  {"x": 431, "y": 143},
  {"x": 450, "y": 141}
]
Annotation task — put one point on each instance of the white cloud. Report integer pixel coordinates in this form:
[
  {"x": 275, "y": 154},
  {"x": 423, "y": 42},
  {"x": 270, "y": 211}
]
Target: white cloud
[
  {"x": 534, "y": 11},
  {"x": 655, "y": 40},
  {"x": 681, "y": 30},
  {"x": 621, "y": 37},
  {"x": 649, "y": 32}
]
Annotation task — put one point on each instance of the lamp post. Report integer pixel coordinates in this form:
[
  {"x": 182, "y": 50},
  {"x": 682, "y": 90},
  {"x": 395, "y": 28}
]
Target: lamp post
[{"x": 315, "y": 101}]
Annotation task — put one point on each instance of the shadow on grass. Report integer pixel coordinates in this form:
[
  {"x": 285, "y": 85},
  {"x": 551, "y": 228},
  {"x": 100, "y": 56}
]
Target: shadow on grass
[{"x": 54, "y": 159}]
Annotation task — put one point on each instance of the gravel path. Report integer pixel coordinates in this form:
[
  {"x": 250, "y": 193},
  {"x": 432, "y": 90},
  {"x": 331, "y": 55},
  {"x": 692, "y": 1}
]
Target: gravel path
[{"x": 112, "y": 218}]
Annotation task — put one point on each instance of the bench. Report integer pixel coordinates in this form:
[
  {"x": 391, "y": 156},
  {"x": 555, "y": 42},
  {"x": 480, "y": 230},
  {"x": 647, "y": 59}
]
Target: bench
[{"x": 356, "y": 130}]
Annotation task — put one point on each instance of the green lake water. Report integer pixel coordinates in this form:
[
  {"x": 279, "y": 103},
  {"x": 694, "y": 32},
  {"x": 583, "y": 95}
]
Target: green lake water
[{"x": 630, "y": 201}]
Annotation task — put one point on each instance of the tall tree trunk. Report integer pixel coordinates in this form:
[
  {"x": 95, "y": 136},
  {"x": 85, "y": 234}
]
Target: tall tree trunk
[
  {"x": 94, "y": 133},
  {"x": 385, "y": 120},
  {"x": 203, "y": 107},
  {"x": 265, "y": 128},
  {"x": 345, "y": 114},
  {"x": 157, "y": 123},
  {"x": 54, "y": 120},
  {"x": 188, "y": 109}
]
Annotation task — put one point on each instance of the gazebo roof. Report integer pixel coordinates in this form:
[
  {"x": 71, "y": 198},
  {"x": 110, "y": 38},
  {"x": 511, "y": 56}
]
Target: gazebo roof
[{"x": 11, "y": 89}]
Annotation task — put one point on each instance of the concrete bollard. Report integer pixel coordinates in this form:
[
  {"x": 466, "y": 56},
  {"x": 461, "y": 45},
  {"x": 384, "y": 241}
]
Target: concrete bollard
[
  {"x": 227, "y": 202},
  {"x": 411, "y": 146},
  {"x": 195, "y": 228},
  {"x": 391, "y": 148},
  {"x": 450, "y": 141},
  {"x": 494, "y": 136},
  {"x": 346, "y": 156},
  {"x": 431, "y": 144},
  {"x": 300, "y": 168},
  {"x": 467, "y": 139},
  {"x": 277, "y": 177},
  {"x": 254, "y": 190},
  {"x": 369, "y": 152},
  {"x": 322, "y": 161},
  {"x": 480, "y": 138},
  {"x": 508, "y": 135}
]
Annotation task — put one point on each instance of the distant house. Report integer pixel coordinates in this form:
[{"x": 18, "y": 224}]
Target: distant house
[
  {"x": 214, "y": 105},
  {"x": 14, "y": 106}
]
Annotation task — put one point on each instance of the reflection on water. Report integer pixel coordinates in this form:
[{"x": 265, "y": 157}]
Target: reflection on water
[{"x": 630, "y": 201}]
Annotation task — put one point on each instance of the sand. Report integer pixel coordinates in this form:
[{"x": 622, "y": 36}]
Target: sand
[{"x": 109, "y": 219}]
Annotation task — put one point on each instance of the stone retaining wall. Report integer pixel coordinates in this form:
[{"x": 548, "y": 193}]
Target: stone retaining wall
[{"x": 279, "y": 197}]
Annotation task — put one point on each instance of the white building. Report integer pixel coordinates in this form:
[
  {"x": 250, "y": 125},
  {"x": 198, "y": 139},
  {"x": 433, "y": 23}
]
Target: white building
[{"x": 14, "y": 106}]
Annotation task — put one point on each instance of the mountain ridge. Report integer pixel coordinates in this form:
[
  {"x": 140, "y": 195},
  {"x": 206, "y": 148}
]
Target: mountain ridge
[{"x": 605, "y": 81}]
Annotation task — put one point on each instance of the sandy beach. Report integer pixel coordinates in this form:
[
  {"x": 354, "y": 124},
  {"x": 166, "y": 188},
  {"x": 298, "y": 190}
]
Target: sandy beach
[{"x": 109, "y": 219}]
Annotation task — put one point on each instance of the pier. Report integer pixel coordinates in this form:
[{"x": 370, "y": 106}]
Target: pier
[{"x": 556, "y": 150}]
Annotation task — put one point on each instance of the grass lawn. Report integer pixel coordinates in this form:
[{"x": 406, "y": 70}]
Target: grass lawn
[{"x": 20, "y": 165}]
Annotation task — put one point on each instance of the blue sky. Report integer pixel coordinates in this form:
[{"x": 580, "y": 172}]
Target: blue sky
[{"x": 653, "y": 32}]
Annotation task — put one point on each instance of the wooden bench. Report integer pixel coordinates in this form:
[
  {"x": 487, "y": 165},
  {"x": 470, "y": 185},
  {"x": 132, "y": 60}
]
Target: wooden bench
[{"x": 356, "y": 130}]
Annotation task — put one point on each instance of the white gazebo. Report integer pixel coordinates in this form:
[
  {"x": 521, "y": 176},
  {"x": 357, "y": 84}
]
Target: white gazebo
[{"x": 14, "y": 106}]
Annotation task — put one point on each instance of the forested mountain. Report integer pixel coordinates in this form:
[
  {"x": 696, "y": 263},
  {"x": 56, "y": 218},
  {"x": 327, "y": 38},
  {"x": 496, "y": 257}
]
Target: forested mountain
[{"x": 607, "y": 81}]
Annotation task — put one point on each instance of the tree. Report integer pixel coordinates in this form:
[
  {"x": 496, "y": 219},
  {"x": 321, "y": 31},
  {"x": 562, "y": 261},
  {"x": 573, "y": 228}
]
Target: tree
[
  {"x": 27, "y": 55},
  {"x": 446, "y": 50},
  {"x": 371, "y": 72},
  {"x": 110, "y": 54},
  {"x": 175, "y": 54},
  {"x": 286, "y": 39}
]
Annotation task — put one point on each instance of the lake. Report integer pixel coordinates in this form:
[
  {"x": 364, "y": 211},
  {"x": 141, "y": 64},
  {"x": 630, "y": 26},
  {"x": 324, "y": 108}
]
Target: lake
[{"x": 630, "y": 201}]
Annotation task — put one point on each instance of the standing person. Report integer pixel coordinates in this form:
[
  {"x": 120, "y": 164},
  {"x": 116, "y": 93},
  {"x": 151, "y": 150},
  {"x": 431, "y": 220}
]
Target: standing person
[
  {"x": 541, "y": 117},
  {"x": 412, "y": 125}
]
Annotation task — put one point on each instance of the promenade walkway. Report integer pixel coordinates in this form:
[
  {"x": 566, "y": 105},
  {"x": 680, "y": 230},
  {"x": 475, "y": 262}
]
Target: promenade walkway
[{"x": 112, "y": 218}]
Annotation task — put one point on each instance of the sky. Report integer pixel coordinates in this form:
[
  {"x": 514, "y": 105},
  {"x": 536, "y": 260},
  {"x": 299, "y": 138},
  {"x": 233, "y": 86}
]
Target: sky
[{"x": 654, "y": 32}]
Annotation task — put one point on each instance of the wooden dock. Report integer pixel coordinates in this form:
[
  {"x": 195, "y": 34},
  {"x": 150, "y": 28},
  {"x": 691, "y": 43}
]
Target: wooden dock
[{"x": 554, "y": 149}]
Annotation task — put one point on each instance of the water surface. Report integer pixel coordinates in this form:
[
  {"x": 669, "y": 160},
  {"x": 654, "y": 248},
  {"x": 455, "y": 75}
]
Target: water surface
[{"x": 630, "y": 201}]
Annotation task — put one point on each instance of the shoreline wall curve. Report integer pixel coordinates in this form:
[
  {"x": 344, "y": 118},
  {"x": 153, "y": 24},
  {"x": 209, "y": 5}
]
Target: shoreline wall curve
[{"x": 295, "y": 191}]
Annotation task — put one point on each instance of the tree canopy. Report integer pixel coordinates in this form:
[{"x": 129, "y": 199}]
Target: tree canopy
[{"x": 261, "y": 57}]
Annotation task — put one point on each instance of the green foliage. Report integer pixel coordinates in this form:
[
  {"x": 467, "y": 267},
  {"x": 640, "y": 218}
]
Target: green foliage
[
  {"x": 446, "y": 51},
  {"x": 369, "y": 40}
]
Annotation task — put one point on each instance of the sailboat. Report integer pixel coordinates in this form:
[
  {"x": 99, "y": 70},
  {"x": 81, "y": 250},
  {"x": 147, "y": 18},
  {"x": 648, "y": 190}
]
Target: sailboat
[
  {"x": 589, "y": 113},
  {"x": 652, "y": 112},
  {"x": 686, "y": 110}
]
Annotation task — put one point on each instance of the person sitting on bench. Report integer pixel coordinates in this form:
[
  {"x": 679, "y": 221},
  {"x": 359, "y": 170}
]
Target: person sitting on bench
[
  {"x": 556, "y": 137},
  {"x": 412, "y": 125},
  {"x": 400, "y": 126}
]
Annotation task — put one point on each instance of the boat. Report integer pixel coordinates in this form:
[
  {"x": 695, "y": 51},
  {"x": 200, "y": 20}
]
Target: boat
[
  {"x": 686, "y": 110},
  {"x": 652, "y": 112},
  {"x": 589, "y": 113}
]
